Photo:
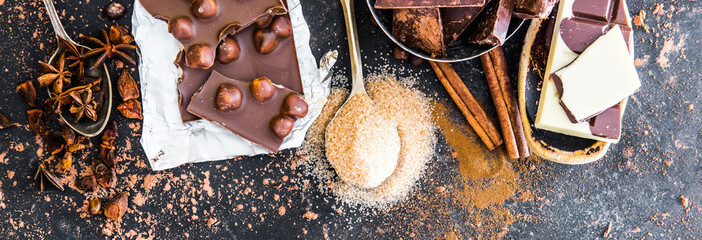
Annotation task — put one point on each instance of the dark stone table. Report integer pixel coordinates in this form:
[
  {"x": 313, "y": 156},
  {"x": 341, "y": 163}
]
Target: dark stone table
[{"x": 636, "y": 188}]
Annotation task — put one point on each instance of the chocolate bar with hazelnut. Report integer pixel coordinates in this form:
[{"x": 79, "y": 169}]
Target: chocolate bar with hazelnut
[
  {"x": 266, "y": 48},
  {"x": 201, "y": 24},
  {"x": 403, "y": 4},
  {"x": 259, "y": 111}
]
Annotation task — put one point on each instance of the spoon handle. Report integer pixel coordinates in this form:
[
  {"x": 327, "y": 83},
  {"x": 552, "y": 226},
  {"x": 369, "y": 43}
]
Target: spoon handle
[
  {"x": 355, "y": 50},
  {"x": 56, "y": 22}
]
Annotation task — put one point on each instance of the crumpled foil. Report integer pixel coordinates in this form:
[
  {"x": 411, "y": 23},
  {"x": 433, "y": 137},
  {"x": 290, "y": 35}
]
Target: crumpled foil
[{"x": 167, "y": 141}]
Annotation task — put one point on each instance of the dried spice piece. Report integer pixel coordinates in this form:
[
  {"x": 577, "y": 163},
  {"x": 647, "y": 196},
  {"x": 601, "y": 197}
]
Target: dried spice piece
[
  {"x": 28, "y": 93},
  {"x": 114, "y": 11},
  {"x": 120, "y": 35},
  {"x": 75, "y": 56},
  {"x": 107, "y": 145},
  {"x": 43, "y": 174},
  {"x": 5, "y": 123},
  {"x": 109, "y": 49},
  {"x": 55, "y": 77},
  {"x": 131, "y": 109},
  {"x": 127, "y": 87},
  {"x": 83, "y": 105},
  {"x": 73, "y": 143},
  {"x": 36, "y": 122},
  {"x": 65, "y": 163},
  {"x": 54, "y": 143},
  {"x": 107, "y": 178},
  {"x": 94, "y": 206},
  {"x": 117, "y": 206},
  {"x": 88, "y": 183}
]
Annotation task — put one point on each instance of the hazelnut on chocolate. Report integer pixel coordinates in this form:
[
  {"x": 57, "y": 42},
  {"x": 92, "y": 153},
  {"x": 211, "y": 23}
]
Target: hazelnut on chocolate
[
  {"x": 262, "y": 89},
  {"x": 265, "y": 40},
  {"x": 295, "y": 106},
  {"x": 265, "y": 20},
  {"x": 200, "y": 56},
  {"x": 228, "y": 98},
  {"x": 204, "y": 8},
  {"x": 181, "y": 28},
  {"x": 281, "y": 27},
  {"x": 228, "y": 50},
  {"x": 282, "y": 125}
]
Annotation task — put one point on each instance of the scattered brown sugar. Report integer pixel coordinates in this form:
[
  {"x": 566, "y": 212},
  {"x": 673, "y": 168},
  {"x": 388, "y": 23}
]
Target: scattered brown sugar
[
  {"x": 362, "y": 143},
  {"x": 403, "y": 104}
]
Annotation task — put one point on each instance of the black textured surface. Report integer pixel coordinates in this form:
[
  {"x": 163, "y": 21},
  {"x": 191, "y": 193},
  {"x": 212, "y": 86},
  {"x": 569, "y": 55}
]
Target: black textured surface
[{"x": 632, "y": 187}]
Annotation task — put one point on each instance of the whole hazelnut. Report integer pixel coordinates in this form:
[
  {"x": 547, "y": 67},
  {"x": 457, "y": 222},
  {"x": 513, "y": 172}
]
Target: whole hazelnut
[
  {"x": 282, "y": 125},
  {"x": 200, "y": 56},
  {"x": 228, "y": 50},
  {"x": 265, "y": 40},
  {"x": 228, "y": 98},
  {"x": 204, "y": 8},
  {"x": 262, "y": 89},
  {"x": 281, "y": 27},
  {"x": 94, "y": 206},
  {"x": 295, "y": 106},
  {"x": 265, "y": 20},
  {"x": 182, "y": 28},
  {"x": 114, "y": 11}
]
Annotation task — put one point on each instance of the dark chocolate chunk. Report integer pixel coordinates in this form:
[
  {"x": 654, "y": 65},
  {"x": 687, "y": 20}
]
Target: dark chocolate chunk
[
  {"x": 282, "y": 125},
  {"x": 209, "y": 25},
  {"x": 415, "y": 61},
  {"x": 399, "y": 53},
  {"x": 592, "y": 19},
  {"x": 394, "y": 4},
  {"x": 200, "y": 56},
  {"x": 456, "y": 20},
  {"x": 181, "y": 28},
  {"x": 295, "y": 106},
  {"x": 608, "y": 123},
  {"x": 530, "y": 9},
  {"x": 253, "y": 120},
  {"x": 262, "y": 89},
  {"x": 280, "y": 66},
  {"x": 204, "y": 8},
  {"x": 228, "y": 50},
  {"x": 420, "y": 28},
  {"x": 228, "y": 98},
  {"x": 492, "y": 24}
]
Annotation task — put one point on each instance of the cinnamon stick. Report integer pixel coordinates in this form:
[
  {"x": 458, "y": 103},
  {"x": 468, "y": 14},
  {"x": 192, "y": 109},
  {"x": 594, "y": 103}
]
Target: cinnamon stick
[
  {"x": 500, "y": 106},
  {"x": 464, "y": 109},
  {"x": 472, "y": 104},
  {"x": 499, "y": 62}
]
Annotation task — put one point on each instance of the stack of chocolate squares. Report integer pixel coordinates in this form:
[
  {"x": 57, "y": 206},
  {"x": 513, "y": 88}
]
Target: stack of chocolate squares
[
  {"x": 239, "y": 65},
  {"x": 433, "y": 25}
]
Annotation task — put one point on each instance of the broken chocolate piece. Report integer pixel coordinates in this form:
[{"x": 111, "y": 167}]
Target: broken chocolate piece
[
  {"x": 394, "y": 4},
  {"x": 211, "y": 21},
  {"x": 420, "y": 28},
  {"x": 602, "y": 76},
  {"x": 492, "y": 24},
  {"x": 280, "y": 66},
  {"x": 253, "y": 120},
  {"x": 456, "y": 20},
  {"x": 592, "y": 19},
  {"x": 530, "y": 9}
]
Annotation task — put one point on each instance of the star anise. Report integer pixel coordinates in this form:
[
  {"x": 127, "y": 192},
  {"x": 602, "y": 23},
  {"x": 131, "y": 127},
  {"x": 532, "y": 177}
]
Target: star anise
[
  {"x": 112, "y": 47},
  {"x": 57, "y": 76},
  {"x": 83, "y": 105},
  {"x": 44, "y": 174},
  {"x": 76, "y": 57}
]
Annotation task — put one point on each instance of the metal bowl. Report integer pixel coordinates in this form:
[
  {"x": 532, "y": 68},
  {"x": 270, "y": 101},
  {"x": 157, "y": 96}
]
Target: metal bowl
[{"x": 458, "y": 51}]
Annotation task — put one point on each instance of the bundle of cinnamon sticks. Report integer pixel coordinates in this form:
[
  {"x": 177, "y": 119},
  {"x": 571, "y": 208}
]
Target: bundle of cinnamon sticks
[{"x": 496, "y": 73}]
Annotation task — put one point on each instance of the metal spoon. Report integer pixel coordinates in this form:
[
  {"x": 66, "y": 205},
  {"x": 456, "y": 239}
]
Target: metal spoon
[{"x": 85, "y": 128}]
